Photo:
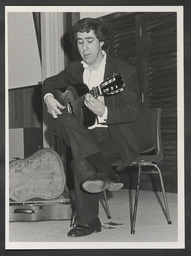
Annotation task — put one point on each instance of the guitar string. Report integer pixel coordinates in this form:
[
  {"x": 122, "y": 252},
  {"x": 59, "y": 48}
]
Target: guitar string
[{"x": 79, "y": 102}]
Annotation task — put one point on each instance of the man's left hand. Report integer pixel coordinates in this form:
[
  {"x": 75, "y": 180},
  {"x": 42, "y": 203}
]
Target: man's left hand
[{"x": 96, "y": 105}]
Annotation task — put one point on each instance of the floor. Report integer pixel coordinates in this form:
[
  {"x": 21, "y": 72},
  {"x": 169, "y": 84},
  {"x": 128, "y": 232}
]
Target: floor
[{"x": 152, "y": 229}]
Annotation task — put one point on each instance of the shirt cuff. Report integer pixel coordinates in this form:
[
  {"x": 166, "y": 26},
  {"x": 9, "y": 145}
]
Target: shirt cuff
[
  {"x": 47, "y": 94},
  {"x": 103, "y": 119}
]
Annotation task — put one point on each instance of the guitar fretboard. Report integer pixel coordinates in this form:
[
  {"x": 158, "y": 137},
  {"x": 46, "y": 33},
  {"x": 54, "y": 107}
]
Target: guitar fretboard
[{"x": 78, "y": 103}]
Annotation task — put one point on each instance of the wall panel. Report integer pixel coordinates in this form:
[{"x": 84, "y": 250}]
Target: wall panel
[
  {"x": 25, "y": 107},
  {"x": 148, "y": 41}
]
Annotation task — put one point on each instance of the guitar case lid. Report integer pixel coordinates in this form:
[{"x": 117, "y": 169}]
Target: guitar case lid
[{"x": 39, "y": 176}]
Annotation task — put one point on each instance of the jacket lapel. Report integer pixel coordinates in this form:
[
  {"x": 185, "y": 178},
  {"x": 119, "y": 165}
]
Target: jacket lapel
[
  {"x": 110, "y": 68},
  {"x": 75, "y": 73},
  {"x": 79, "y": 73}
]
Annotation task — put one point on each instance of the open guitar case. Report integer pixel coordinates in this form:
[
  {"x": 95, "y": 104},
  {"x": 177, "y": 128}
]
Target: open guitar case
[{"x": 37, "y": 189}]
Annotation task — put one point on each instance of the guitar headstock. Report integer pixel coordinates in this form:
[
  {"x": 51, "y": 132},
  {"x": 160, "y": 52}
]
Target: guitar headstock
[{"x": 112, "y": 85}]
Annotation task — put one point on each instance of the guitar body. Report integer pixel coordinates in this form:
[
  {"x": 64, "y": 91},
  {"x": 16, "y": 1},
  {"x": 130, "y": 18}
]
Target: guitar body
[
  {"x": 40, "y": 175},
  {"x": 73, "y": 97},
  {"x": 68, "y": 96}
]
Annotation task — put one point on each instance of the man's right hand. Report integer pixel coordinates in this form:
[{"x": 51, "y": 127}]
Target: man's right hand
[{"x": 53, "y": 106}]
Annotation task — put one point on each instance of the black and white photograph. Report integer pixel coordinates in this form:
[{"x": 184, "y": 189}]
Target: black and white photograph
[{"x": 94, "y": 125}]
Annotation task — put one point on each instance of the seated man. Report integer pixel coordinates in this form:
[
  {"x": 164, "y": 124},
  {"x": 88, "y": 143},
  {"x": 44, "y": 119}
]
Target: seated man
[{"x": 111, "y": 138}]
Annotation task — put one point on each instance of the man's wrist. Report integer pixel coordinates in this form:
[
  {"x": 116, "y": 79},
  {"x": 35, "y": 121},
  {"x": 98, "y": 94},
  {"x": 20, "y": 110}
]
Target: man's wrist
[
  {"x": 46, "y": 95},
  {"x": 103, "y": 118}
]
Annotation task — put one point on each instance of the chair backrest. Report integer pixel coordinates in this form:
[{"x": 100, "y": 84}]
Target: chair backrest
[{"x": 148, "y": 125}]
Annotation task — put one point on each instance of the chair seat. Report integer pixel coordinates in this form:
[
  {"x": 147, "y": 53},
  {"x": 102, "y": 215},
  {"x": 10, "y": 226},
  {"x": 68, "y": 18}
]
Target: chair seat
[{"x": 149, "y": 157}]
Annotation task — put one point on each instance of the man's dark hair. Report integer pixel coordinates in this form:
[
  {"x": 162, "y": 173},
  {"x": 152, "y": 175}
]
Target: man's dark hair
[{"x": 87, "y": 24}]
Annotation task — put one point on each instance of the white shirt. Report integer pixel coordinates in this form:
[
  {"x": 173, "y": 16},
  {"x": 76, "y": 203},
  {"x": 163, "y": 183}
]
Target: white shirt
[{"x": 93, "y": 79}]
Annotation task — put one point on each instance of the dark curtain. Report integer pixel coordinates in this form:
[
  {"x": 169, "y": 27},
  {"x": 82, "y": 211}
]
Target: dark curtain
[{"x": 37, "y": 24}]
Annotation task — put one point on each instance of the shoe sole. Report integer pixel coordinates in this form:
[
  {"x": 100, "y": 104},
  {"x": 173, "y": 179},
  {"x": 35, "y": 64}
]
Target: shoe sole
[
  {"x": 99, "y": 186},
  {"x": 115, "y": 186},
  {"x": 94, "y": 186}
]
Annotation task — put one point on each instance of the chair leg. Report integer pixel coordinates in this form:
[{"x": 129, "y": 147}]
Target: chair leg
[
  {"x": 73, "y": 216},
  {"x": 164, "y": 197},
  {"x": 106, "y": 205},
  {"x": 136, "y": 201}
]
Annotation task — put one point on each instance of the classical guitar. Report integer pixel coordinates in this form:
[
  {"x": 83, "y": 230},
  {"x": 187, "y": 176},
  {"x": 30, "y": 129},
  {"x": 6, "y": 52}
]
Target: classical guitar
[{"x": 73, "y": 97}]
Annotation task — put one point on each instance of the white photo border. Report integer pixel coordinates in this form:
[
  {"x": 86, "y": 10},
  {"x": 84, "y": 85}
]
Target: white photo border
[{"x": 180, "y": 106}]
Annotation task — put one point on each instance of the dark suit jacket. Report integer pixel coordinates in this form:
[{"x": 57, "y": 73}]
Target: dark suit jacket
[{"x": 122, "y": 108}]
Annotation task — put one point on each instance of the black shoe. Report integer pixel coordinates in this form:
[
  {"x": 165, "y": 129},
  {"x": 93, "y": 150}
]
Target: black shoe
[
  {"x": 100, "y": 182},
  {"x": 80, "y": 230}
]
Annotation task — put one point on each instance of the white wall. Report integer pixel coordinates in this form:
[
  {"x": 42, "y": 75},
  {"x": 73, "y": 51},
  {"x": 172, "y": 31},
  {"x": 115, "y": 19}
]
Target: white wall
[
  {"x": 24, "y": 66},
  {"x": 16, "y": 143}
]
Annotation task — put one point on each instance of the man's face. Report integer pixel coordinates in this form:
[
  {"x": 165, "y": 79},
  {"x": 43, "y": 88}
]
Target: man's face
[{"x": 89, "y": 48}]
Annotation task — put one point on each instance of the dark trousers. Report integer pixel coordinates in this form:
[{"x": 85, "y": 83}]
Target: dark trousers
[{"x": 84, "y": 142}]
